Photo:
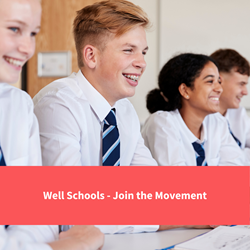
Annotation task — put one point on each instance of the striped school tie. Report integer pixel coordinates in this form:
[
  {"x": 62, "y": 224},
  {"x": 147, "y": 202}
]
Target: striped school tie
[
  {"x": 200, "y": 154},
  {"x": 110, "y": 141},
  {"x": 2, "y": 161},
  {"x": 236, "y": 139}
]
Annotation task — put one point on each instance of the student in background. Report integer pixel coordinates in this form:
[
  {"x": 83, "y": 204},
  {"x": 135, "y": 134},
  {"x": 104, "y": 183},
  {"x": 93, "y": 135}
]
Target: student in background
[
  {"x": 234, "y": 72},
  {"x": 19, "y": 133},
  {"x": 181, "y": 130}
]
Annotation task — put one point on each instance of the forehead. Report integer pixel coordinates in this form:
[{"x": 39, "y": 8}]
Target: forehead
[
  {"x": 134, "y": 37},
  {"x": 209, "y": 69},
  {"x": 234, "y": 75},
  {"x": 27, "y": 11}
]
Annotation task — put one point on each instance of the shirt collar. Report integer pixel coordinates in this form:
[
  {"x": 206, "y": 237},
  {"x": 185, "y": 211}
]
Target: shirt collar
[
  {"x": 190, "y": 136},
  {"x": 227, "y": 115},
  {"x": 97, "y": 102}
]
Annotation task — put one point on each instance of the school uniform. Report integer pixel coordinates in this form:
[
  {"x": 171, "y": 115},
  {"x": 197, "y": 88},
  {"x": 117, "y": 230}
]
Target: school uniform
[
  {"x": 239, "y": 124},
  {"x": 26, "y": 237},
  {"x": 19, "y": 132},
  {"x": 71, "y": 114},
  {"x": 172, "y": 143}
]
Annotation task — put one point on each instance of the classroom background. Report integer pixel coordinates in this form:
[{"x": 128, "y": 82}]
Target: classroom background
[{"x": 178, "y": 26}]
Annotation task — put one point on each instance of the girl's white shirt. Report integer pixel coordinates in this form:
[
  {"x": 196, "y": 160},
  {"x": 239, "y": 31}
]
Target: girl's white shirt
[
  {"x": 22, "y": 239},
  {"x": 170, "y": 140},
  {"x": 19, "y": 131}
]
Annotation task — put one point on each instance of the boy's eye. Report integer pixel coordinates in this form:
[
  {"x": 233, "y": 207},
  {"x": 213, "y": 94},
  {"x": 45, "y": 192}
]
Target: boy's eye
[
  {"x": 144, "y": 53},
  {"x": 33, "y": 34}
]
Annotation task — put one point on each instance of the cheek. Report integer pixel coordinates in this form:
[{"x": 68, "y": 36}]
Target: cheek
[
  {"x": 202, "y": 97},
  {"x": 5, "y": 46},
  {"x": 111, "y": 71},
  {"x": 107, "y": 73},
  {"x": 32, "y": 49}
]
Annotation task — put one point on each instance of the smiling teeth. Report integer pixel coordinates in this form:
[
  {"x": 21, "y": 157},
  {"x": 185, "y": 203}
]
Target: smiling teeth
[
  {"x": 132, "y": 77},
  {"x": 14, "y": 62},
  {"x": 215, "y": 98}
]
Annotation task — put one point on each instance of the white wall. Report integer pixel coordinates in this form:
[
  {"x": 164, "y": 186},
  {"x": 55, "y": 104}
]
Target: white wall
[
  {"x": 149, "y": 78},
  {"x": 204, "y": 26},
  {"x": 197, "y": 26}
]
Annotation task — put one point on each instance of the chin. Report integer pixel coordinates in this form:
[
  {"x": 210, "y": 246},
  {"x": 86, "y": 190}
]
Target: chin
[
  {"x": 215, "y": 110},
  {"x": 237, "y": 106},
  {"x": 129, "y": 94},
  {"x": 12, "y": 81},
  {"x": 10, "y": 78},
  {"x": 234, "y": 106}
]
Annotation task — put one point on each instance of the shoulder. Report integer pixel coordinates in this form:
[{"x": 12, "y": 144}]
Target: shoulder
[
  {"x": 67, "y": 87},
  {"x": 216, "y": 121},
  {"x": 239, "y": 120},
  {"x": 239, "y": 113},
  {"x": 126, "y": 107},
  {"x": 14, "y": 98},
  {"x": 162, "y": 119},
  {"x": 126, "y": 114},
  {"x": 215, "y": 118}
]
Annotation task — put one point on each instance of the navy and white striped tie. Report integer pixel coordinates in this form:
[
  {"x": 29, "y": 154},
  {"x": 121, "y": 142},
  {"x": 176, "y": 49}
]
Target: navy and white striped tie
[
  {"x": 236, "y": 139},
  {"x": 110, "y": 141},
  {"x": 2, "y": 161},
  {"x": 200, "y": 154}
]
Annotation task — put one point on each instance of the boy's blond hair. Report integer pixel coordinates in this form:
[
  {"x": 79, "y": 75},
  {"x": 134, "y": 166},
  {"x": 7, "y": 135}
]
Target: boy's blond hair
[{"x": 95, "y": 23}]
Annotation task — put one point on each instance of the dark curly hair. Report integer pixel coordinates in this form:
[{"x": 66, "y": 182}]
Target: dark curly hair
[
  {"x": 184, "y": 68},
  {"x": 228, "y": 59}
]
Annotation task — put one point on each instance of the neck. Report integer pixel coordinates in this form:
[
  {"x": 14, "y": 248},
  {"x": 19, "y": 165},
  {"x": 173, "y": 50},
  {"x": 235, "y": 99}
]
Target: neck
[
  {"x": 223, "y": 110},
  {"x": 193, "y": 120},
  {"x": 90, "y": 76}
]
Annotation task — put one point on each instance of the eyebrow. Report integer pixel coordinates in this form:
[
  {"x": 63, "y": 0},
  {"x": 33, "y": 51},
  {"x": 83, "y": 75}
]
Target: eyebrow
[
  {"x": 133, "y": 46},
  {"x": 17, "y": 21},
  {"x": 208, "y": 76},
  {"x": 22, "y": 23}
]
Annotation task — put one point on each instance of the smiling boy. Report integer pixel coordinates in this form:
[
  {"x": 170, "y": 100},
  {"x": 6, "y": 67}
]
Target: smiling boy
[
  {"x": 75, "y": 112},
  {"x": 85, "y": 119},
  {"x": 234, "y": 72}
]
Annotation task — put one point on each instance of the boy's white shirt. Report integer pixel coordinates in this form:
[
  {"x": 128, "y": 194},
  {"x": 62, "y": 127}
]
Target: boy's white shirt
[
  {"x": 70, "y": 112},
  {"x": 239, "y": 123},
  {"x": 73, "y": 136}
]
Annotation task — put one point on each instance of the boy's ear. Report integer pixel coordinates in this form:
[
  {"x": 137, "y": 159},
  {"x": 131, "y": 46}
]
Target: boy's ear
[
  {"x": 90, "y": 56},
  {"x": 222, "y": 79},
  {"x": 184, "y": 91}
]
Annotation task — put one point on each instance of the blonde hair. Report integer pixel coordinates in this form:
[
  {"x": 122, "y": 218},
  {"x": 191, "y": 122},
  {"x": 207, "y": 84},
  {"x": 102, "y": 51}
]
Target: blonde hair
[{"x": 95, "y": 23}]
